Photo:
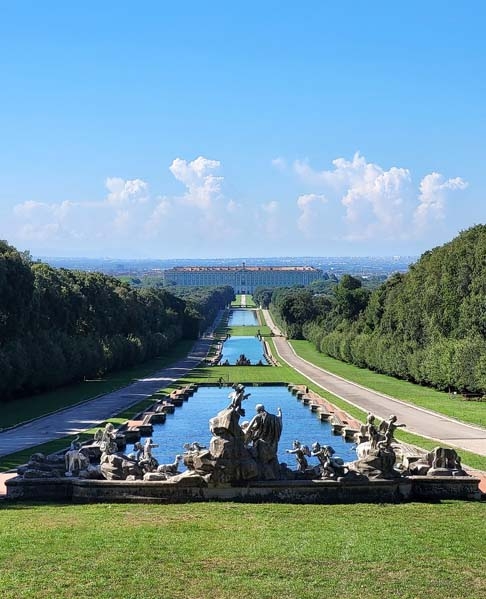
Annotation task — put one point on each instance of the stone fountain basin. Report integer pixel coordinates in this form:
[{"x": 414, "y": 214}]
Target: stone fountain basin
[{"x": 412, "y": 488}]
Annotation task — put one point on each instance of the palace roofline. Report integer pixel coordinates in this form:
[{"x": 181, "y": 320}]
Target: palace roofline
[{"x": 240, "y": 268}]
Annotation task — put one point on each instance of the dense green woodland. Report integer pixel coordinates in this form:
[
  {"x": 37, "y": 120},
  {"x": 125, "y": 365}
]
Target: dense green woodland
[
  {"x": 59, "y": 326},
  {"x": 427, "y": 325}
]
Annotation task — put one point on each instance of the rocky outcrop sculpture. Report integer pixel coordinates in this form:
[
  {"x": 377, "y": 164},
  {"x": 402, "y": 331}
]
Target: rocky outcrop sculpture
[
  {"x": 228, "y": 458},
  {"x": 442, "y": 461},
  {"x": 378, "y": 462},
  {"x": 238, "y": 454},
  {"x": 42, "y": 466}
]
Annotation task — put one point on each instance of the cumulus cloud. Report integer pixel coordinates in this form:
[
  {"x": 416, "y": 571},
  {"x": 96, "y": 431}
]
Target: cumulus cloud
[
  {"x": 42, "y": 221},
  {"x": 378, "y": 203},
  {"x": 26, "y": 209},
  {"x": 353, "y": 200},
  {"x": 128, "y": 198},
  {"x": 309, "y": 205},
  {"x": 121, "y": 220},
  {"x": 158, "y": 215},
  {"x": 203, "y": 186},
  {"x": 67, "y": 220},
  {"x": 123, "y": 192},
  {"x": 432, "y": 199},
  {"x": 129, "y": 213}
]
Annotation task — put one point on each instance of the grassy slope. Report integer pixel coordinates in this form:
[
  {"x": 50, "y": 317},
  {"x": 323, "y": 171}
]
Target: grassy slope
[
  {"x": 26, "y": 408},
  {"x": 229, "y": 550},
  {"x": 473, "y": 412}
]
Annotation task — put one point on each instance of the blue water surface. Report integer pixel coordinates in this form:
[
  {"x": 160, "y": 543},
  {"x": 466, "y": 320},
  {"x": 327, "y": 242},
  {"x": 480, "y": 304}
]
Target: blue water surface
[
  {"x": 191, "y": 423},
  {"x": 236, "y": 345},
  {"x": 240, "y": 318}
]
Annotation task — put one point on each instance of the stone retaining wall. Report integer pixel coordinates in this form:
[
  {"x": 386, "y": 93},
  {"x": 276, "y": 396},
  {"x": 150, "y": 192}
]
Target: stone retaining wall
[{"x": 415, "y": 488}]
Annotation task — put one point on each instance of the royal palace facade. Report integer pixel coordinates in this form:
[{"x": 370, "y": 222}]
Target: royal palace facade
[{"x": 243, "y": 279}]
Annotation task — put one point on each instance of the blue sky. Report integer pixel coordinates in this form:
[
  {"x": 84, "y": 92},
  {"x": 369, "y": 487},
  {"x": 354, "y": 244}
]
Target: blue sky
[{"x": 220, "y": 129}]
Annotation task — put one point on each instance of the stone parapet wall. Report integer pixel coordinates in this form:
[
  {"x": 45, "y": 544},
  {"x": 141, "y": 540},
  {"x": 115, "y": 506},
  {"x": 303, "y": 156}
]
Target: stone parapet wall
[
  {"x": 417, "y": 488},
  {"x": 50, "y": 489}
]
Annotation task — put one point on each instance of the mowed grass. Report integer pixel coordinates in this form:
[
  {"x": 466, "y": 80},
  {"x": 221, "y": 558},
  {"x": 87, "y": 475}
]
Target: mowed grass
[
  {"x": 26, "y": 408},
  {"x": 473, "y": 412},
  {"x": 250, "y": 302},
  {"x": 232, "y": 551},
  {"x": 236, "y": 303},
  {"x": 249, "y": 331}
]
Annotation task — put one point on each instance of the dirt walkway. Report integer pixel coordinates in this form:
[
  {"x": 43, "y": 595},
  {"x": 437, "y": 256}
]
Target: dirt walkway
[{"x": 418, "y": 420}]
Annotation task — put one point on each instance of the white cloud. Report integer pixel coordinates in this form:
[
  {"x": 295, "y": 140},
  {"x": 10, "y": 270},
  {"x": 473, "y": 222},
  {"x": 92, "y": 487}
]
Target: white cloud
[
  {"x": 121, "y": 220},
  {"x": 126, "y": 191},
  {"x": 41, "y": 220},
  {"x": 378, "y": 203},
  {"x": 203, "y": 187},
  {"x": 352, "y": 201},
  {"x": 433, "y": 191},
  {"x": 233, "y": 207},
  {"x": 26, "y": 209},
  {"x": 159, "y": 218},
  {"x": 129, "y": 214},
  {"x": 38, "y": 232},
  {"x": 309, "y": 205}
]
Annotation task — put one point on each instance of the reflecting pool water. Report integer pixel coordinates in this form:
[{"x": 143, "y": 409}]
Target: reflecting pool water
[
  {"x": 243, "y": 318},
  {"x": 191, "y": 423},
  {"x": 251, "y": 347}
]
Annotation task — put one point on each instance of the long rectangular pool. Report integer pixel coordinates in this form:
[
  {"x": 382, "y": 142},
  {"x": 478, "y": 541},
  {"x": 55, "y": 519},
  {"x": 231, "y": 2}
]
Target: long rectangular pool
[
  {"x": 243, "y": 318},
  {"x": 251, "y": 347},
  {"x": 191, "y": 423}
]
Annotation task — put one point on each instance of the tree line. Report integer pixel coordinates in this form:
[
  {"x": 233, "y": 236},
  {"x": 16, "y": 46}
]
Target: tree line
[
  {"x": 427, "y": 325},
  {"x": 59, "y": 326}
]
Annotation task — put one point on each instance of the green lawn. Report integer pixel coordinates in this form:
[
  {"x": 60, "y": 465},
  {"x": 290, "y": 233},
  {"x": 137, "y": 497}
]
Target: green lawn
[
  {"x": 236, "y": 303},
  {"x": 232, "y": 551},
  {"x": 473, "y": 412},
  {"x": 249, "y": 302},
  {"x": 250, "y": 331},
  {"x": 26, "y": 408}
]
